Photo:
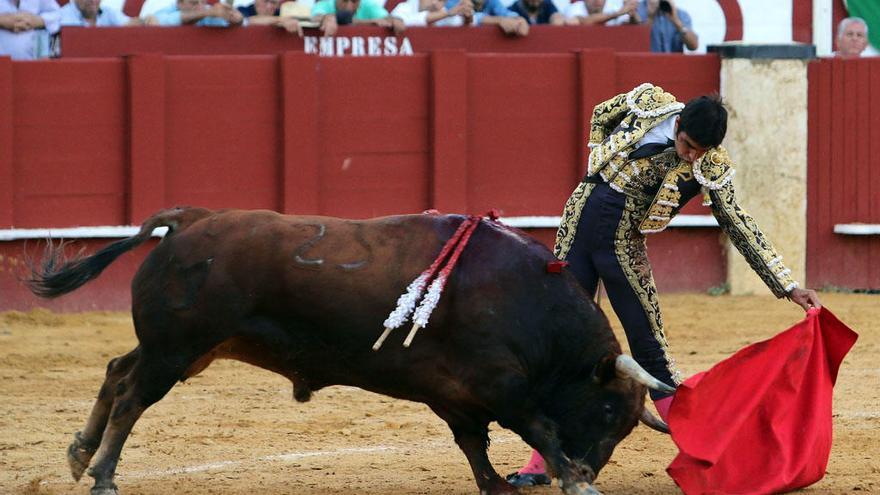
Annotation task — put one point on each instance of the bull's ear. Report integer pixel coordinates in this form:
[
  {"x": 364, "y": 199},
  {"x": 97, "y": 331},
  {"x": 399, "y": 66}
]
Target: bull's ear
[{"x": 605, "y": 370}]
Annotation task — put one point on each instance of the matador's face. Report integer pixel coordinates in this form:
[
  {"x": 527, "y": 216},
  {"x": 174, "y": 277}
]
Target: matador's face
[{"x": 685, "y": 146}]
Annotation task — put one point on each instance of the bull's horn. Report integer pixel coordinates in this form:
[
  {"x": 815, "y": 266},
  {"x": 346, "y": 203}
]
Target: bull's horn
[
  {"x": 627, "y": 367},
  {"x": 653, "y": 422}
]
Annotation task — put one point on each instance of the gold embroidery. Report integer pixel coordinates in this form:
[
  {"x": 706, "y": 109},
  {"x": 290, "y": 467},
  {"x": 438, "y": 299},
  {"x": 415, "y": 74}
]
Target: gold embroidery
[
  {"x": 621, "y": 122},
  {"x": 667, "y": 201},
  {"x": 571, "y": 215},
  {"x": 616, "y": 126},
  {"x": 632, "y": 256},
  {"x": 748, "y": 239},
  {"x": 650, "y": 101},
  {"x": 714, "y": 169}
]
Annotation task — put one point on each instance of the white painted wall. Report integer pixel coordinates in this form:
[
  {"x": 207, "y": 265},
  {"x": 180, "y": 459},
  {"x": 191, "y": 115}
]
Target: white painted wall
[
  {"x": 709, "y": 22},
  {"x": 767, "y": 21},
  {"x": 763, "y": 21}
]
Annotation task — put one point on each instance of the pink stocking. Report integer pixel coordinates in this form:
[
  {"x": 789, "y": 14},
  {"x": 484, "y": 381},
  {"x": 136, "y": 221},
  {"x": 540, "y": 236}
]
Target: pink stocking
[
  {"x": 663, "y": 406},
  {"x": 535, "y": 465}
]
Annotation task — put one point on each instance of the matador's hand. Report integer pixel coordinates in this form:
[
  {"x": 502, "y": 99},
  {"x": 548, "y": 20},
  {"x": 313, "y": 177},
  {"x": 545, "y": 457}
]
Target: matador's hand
[{"x": 805, "y": 298}]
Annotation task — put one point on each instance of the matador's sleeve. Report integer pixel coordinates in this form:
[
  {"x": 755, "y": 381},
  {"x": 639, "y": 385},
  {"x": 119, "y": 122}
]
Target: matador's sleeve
[
  {"x": 606, "y": 116},
  {"x": 715, "y": 175}
]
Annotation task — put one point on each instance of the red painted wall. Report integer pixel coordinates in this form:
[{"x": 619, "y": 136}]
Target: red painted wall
[
  {"x": 109, "y": 292},
  {"x": 66, "y": 133},
  {"x": 802, "y": 20},
  {"x": 843, "y": 176},
  {"x": 109, "y": 141}
]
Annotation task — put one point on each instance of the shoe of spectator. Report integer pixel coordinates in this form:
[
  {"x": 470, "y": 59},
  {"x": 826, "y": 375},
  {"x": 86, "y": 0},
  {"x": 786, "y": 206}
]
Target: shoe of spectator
[{"x": 520, "y": 480}]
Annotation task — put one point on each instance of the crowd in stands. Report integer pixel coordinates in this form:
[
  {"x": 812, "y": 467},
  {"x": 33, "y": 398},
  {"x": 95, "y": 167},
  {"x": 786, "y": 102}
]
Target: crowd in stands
[{"x": 28, "y": 28}]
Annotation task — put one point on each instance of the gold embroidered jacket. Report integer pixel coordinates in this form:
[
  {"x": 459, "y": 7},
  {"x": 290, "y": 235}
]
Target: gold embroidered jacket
[{"x": 662, "y": 184}]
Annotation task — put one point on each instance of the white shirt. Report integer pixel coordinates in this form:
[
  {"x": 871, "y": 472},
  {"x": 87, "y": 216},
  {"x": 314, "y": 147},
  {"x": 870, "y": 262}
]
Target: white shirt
[
  {"x": 149, "y": 7},
  {"x": 579, "y": 9},
  {"x": 72, "y": 16},
  {"x": 409, "y": 12},
  {"x": 662, "y": 133}
]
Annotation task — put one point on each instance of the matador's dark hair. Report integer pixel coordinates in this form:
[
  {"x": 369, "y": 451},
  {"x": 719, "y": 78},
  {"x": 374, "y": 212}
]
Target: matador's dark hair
[{"x": 704, "y": 119}]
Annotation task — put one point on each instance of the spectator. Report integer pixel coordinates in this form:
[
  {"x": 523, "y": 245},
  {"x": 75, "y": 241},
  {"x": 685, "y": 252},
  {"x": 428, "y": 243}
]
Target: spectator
[
  {"x": 25, "y": 26},
  {"x": 538, "y": 12},
  {"x": 493, "y": 12},
  {"x": 89, "y": 13},
  {"x": 264, "y": 8},
  {"x": 852, "y": 37},
  {"x": 268, "y": 13},
  {"x": 671, "y": 27},
  {"x": 601, "y": 12},
  {"x": 433, "y": 12},
  {"x": 196, "y": 12},
  {"x": 335, "y": 12}
]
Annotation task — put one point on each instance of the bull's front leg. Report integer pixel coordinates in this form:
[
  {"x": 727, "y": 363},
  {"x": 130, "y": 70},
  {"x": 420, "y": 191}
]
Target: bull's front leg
[
  {"x": 473, "y": 439},
  {"x": 575, "y": 477}
]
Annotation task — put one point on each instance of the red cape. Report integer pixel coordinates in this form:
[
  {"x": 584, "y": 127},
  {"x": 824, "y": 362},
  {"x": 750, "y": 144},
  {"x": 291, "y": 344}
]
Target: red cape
[{"x": 760, "y": 421}]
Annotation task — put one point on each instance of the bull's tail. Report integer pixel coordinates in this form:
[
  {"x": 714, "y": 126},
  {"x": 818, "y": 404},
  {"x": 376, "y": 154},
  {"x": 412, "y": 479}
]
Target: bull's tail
[{"x": 59, "y": 275}]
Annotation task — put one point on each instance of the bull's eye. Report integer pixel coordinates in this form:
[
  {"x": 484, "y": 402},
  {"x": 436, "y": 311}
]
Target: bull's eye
[{"x": 609, "y": 412}]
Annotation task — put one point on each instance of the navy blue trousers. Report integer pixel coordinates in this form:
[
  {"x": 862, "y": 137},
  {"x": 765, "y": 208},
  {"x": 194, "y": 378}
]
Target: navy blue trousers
[{"x": 607, "y": 246}]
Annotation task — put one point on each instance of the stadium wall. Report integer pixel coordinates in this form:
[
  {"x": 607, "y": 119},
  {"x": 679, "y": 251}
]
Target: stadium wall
[
  {"x": 843, "y": 210},
  {"x": 94, "y": 142}
]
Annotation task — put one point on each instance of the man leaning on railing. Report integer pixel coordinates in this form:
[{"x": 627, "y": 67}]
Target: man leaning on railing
[{"x": 25, "y": 27}]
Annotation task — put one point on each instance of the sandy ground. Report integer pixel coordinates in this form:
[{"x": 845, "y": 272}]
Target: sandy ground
[{"x": 236, "y": 430}]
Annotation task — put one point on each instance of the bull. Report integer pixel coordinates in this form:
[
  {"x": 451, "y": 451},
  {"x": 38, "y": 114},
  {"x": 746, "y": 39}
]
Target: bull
[{"x": 304, "y": 296}]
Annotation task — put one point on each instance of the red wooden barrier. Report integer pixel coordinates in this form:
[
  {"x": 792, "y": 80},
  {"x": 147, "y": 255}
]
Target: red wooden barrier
[
  {"x": 843, "y": 178},
  {"x": 7, "y": 170},
  {"x": 109, "y": 141},
  {"x": 69, "y": 148},
  {"x": 146, "y": 100}
]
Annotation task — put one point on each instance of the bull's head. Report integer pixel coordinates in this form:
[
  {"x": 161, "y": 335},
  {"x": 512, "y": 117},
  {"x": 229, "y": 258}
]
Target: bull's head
[{"x": 613, "y": 402}]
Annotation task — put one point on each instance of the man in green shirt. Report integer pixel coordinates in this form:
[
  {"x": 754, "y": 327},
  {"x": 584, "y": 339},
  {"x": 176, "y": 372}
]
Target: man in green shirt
[{"x": 335, "y": 12}]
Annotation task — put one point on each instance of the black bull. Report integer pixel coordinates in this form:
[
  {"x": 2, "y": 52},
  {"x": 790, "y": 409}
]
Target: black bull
[{"x": 305, "y": 297}]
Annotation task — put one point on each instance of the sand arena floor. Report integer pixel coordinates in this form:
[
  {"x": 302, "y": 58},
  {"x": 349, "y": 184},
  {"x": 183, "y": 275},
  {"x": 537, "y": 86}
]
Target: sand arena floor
[{"x": 235, "y": 429}]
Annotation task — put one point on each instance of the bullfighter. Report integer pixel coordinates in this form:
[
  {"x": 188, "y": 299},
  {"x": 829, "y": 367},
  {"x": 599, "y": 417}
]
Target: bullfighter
[{"x": 649, "y": 155}]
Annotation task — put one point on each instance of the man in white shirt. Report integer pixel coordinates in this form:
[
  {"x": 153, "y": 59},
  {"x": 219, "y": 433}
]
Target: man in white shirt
[
  {"x": 600, "y": 12},
  {"x": 90, "y": 13},
  {"x": 432, "y": 12},
  {"x": 25, "y": 27}
]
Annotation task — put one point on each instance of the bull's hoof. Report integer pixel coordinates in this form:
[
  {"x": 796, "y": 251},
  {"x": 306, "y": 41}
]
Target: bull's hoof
[
  {"x": 578, "y": 488},
  {"x": 500, "y": 488},
  {"x": 528, "y": 479},
  {"x": 104, "y": 488},
  {"x": 78, "y": 456}
]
